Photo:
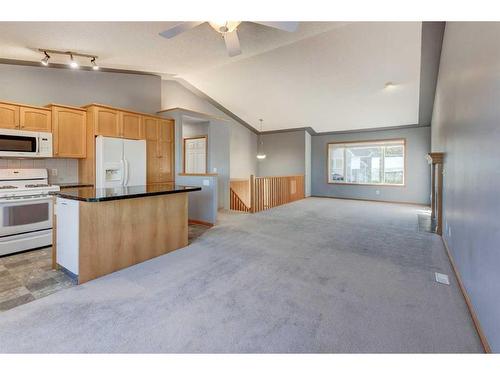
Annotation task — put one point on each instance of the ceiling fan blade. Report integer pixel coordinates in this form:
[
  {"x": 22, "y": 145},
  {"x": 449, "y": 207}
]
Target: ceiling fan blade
[
  {"x": 232, "y": 43},
  {"x": 285, "y": 26},
  {"x": 180, "y": 28}
]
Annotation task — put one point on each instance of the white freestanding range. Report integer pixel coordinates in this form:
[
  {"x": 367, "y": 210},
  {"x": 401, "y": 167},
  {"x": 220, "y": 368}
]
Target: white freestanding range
[
  {"x": 25, "y": 210},
  {"x": 120, "y": 162}
]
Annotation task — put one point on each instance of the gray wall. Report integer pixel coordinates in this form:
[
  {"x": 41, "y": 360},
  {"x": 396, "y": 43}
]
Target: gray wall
[
  {"x": 243, "y": 142},
  {"x": 465, "y": 125},
  {"x": 308, "y": 165},
  {"x": 432, "y": 40},
  {"x": 417, "y": 188},
  {"x": 40, "y": 86},
  {"x": 285, "y": 154},
  {"x": 202, "y": 204},
  {"x": 194, "y": 129}
]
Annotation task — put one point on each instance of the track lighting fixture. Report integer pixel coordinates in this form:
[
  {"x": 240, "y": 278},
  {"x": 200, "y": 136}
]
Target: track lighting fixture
[
  {"x": 72, "y": 62},
  {"x": 45, "y": 59},
  {"x": 94, "y": 64}
]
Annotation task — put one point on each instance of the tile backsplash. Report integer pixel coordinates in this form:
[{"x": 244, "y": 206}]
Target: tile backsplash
[{"x": 67, "y": 169}]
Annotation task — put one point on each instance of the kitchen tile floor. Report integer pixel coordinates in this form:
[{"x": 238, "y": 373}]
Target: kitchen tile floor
[{"x": 27, "y": 276}]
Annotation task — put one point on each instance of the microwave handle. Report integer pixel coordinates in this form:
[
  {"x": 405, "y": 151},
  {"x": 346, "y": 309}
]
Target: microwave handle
[{"x": 37, "y": 144}]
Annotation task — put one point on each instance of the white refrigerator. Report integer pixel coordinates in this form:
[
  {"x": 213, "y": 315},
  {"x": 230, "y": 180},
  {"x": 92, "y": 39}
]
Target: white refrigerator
[{"x": 120, "y": 162}]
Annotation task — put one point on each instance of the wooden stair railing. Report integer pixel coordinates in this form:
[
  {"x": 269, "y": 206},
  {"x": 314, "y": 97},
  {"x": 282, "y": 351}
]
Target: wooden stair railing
[
  {"x": 262, "y": 193},
  {"x": 236, "y": 203}
]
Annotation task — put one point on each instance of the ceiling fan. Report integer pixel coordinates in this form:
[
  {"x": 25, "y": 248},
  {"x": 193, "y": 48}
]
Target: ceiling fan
[{"x": 228, "y": 29}]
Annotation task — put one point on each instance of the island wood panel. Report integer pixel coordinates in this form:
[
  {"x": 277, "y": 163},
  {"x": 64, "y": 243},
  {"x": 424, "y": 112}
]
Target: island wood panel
[{"x": 120, "y": 233}]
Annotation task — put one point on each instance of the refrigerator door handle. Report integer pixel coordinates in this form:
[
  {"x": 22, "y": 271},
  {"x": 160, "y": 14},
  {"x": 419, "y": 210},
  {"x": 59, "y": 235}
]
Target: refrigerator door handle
[{"x": 126, "y": 172}]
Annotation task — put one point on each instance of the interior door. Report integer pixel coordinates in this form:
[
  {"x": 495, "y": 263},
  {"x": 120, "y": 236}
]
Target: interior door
[{"x": 195, "y": 155}]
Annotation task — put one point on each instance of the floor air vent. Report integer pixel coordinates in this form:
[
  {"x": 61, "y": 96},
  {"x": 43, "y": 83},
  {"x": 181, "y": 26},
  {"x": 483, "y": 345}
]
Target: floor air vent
[{"x": 442, "y": 278}]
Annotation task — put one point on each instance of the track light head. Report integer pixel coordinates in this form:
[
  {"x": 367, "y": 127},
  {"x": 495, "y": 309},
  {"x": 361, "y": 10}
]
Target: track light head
[
  {"x": 94, "y": 64},
  {"x": 45, "y": 59},
  {"x": 73, "y": 63}
]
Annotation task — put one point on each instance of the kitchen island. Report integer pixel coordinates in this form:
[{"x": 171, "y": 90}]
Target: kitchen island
[{"x": 100, "y": 231}]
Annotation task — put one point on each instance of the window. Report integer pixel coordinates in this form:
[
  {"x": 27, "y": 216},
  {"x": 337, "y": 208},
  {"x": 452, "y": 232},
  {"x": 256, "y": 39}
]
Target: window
[{"x": 373, "y": 163}]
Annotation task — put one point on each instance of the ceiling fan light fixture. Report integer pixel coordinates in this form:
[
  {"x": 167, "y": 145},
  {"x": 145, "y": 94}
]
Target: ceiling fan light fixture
[{"x": 224, "y": 26}]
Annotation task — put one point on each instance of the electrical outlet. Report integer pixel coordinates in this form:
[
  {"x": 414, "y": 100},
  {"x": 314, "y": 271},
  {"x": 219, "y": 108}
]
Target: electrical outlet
[
  {"x": 206, "y": 182},
  {"x": 377, "y": 192},
  {"x": 53, "y": 172},
  {"x": 214, "y": 170}
]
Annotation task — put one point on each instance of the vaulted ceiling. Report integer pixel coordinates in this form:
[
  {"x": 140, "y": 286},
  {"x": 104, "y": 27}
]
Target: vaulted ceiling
[{"x": 330, "y": 76}]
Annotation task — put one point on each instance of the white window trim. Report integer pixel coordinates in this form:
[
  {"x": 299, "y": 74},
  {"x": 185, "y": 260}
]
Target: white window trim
[{"x": 385, "y": 142}]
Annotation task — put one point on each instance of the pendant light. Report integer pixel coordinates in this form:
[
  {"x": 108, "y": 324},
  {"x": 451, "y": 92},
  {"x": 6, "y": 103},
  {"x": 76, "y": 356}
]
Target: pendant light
[{"x": 260, "y": 148}]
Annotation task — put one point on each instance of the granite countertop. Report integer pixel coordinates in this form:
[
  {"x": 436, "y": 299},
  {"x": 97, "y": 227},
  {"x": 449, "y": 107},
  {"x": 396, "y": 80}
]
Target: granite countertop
[
  {"x": 90, "y": 194},
  {"x": 70, "y": 185}
]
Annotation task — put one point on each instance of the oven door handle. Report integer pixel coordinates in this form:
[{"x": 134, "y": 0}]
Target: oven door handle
[{"x": 22, "y": 200}]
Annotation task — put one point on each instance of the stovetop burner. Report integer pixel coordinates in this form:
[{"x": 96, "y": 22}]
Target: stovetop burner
[
  {"x": 8, "y": 187},
  {"x": 36, "y": 185}
]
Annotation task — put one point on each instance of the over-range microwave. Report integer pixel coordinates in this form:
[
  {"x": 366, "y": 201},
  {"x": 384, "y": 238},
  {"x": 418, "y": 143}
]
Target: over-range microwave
[{"x": 25, "y": 144}]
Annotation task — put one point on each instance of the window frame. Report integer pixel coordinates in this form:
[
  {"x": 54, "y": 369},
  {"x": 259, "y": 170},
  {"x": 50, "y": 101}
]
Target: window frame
[{"x": 371, "y": 141}]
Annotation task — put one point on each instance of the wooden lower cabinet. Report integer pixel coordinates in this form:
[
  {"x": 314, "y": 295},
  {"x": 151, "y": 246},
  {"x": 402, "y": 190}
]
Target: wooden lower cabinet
[{"x": 69, "y": 132}]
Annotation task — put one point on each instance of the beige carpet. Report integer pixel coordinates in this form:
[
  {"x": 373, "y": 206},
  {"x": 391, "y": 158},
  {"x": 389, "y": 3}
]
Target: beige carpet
[{"x": 318, "y": 275}]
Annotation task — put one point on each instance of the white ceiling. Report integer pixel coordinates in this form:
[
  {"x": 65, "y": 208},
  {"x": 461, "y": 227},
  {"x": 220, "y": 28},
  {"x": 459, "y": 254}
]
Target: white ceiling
[
  {"x": 327, "y": 75},
  {"x": 137, "y": 45},
  {"x": 333, "y": 81}
]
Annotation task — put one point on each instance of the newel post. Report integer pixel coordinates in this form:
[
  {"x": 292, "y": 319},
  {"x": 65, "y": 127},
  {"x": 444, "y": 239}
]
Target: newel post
[
  {"x": 252, "y": 193},
  {"x": 436, "y": 160}
]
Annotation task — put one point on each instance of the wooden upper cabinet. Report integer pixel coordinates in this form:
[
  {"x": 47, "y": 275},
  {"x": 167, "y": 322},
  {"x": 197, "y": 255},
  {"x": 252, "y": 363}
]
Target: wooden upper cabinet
[
  {"x": 130, "y": 125},
  {"x": 9, "y": 116},
  {"x": 166, "y": 130},
  {"x": 35, "y": 119},
  {"x": 69, "y": 132},
  {"x": 107, "y": 122},
  {"x": 150, "y": 125}
]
